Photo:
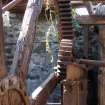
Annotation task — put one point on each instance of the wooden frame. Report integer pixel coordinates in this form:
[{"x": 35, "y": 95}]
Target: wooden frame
[
  {"x": 26, "y": 38},
  {"x": 2, "y": 51},
  {"x": 10, "y": 5},
  {"x": 42, "y": 93},
  {"x": 91, "y": 20}
]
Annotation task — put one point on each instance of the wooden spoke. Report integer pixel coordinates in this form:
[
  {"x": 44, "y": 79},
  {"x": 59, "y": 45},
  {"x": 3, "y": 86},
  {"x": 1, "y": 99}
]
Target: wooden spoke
[{"x": 26, "y": 38}]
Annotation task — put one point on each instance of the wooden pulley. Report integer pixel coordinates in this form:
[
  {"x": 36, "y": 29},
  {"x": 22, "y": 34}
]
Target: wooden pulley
[{"x": 75, "y": 72}]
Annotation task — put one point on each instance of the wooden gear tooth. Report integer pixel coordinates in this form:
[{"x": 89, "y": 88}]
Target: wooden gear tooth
[{"x": 66, "y": 31}]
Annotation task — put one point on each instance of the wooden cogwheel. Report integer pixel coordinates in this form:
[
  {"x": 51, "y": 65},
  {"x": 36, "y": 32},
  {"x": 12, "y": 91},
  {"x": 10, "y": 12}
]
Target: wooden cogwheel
[{"x": 13, "y": 92}]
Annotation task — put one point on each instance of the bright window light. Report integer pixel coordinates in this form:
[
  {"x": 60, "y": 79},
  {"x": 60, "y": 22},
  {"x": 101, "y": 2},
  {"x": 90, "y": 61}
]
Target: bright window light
[{"x": 82, "y": 11}]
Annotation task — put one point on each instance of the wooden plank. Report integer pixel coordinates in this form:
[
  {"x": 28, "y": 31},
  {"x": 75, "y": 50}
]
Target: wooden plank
[
  {"x": 88, "y": 62},
  {"x": 26, "y": 38},
  {"x": 2, "y": 52},
  {"x": 10, "y": 5},
  {"x": 41, "y": 94},
  {"x": 91, "y": 20},
  {"x": 21, "y": 6}
]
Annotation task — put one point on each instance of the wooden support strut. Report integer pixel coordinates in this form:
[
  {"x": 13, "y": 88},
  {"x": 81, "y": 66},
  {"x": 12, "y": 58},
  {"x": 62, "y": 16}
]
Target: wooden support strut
[
  {"x": 75, "y": 86},
  {"x": 26, "y": 38},
  {"x": 41, "y": 94},
  {"x": 10, "y": 5},
  {"x": 2, "y": 52}
]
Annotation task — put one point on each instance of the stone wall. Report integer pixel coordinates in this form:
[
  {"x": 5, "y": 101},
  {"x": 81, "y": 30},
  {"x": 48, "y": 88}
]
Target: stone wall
[{"x": 42, "y": 62}]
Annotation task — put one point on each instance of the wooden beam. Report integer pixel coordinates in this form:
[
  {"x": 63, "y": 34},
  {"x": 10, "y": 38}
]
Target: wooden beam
[
  {"x": 91, "y": 62},
  {"x": 41, "y": 94},
  {"x": 72, "y": 92},
  {"x": 75, "y": 92},
  {"x": 91, "y": 20},
  {"x": 26, "y": 38},
  {"x": 101, "y": 78},
  {"x": 2, "y": 52},
  {"x": 10, "y": 5},
  {"x": 77, "y": 4},
  {"x": 21, "y": 7}
]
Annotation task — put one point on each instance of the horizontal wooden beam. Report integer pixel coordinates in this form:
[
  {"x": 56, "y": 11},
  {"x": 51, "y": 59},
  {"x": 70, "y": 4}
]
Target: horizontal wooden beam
[
  {"x": 77, "y": 4},
  {"x": 13, "y": 4},
  {"x": 91, "y": 62},
  {"x": 20, "y": 5},
  {"x": 42, "y": 93},
  {"x": 91, "y": 20}
]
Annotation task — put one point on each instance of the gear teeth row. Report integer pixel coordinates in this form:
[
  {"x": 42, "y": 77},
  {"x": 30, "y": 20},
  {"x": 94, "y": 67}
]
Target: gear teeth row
[{"x": 63, "y": 8}]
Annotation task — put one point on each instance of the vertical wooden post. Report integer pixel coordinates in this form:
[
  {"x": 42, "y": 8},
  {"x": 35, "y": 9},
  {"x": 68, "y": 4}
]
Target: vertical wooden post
[
  {"x": 26, "y": 38},
  {"x": 77, "y": 94},
  {"x": 92, "y": 76},
  {"x": 74, "y": 89},
  {"x": 102, "y": 74},
  {"x": 2, "y": 52}
]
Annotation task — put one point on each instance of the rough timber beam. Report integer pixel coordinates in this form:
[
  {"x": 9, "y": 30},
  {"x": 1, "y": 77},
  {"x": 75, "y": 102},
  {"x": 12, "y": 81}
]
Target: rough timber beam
[
  {"x": 72, "y": 93},
  {"x": 20, "y": 5},
  {"x": 101, "y": 88},
  {"x": 91, "y": 20},
  {"x": 26, "y": 38},
  {"x": 10, "y": 5},
  {"x": 76, "y": 4},
  {"x": 2, "y": 52},
  {"x": 41, "y": 94},
  {"x": 91, "y": 62}
]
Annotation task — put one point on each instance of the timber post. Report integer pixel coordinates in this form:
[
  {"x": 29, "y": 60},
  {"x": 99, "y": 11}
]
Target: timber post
[
  {"x": 2, "y": 52},
  {"x": 101, "y": 76}
]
